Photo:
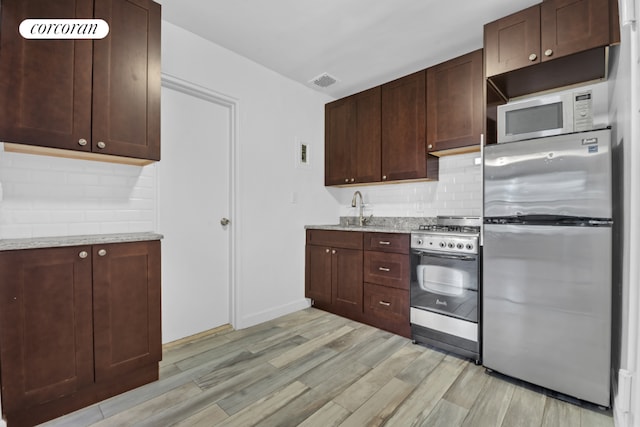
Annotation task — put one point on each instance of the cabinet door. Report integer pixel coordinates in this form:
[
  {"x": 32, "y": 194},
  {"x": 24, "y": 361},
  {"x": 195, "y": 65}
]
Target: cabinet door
[
  {"x": 366, "y": 164},
  {"x": 318, "y": 275},
  {"x": 126, "y": 304},
  {"x": 46, "y": 346},
  {"x": 455, "y": 103},
  {"x": 403, "y": 128},
  {"x": 346, "y": 271},
  {"x": 46, "y": 84},
  {"x": 340, "y": 136},
  {"x": 570, "y": 26},
  {"x": 512, "y": 42},
  {"x": 126, "y": 80}
]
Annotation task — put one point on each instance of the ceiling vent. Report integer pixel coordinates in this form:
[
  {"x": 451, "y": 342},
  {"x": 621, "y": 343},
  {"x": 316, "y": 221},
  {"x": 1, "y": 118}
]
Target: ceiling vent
[{"x": 323, "y": 80}]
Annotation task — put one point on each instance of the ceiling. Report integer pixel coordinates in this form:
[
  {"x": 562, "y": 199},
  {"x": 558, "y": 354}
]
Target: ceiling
[{"x": 362, "y": 43}]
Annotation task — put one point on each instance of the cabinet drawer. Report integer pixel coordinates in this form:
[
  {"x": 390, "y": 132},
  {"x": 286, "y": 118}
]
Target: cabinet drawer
[
  {"x": 387, "y": 242},
  {"x": 335, "y": 239},
  {"x": 387, "y": 269},
  {"x": 387, "y": 308}
]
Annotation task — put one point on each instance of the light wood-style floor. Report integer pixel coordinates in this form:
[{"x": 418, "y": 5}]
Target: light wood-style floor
[{"x": 312, "y": 368}]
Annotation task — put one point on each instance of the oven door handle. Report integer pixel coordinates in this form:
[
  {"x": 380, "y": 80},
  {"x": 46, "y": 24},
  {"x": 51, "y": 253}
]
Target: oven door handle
[{"x": 446, "y": 256}]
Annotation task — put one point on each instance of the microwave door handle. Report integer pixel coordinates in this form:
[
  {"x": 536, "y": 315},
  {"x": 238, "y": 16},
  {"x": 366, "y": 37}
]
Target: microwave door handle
[{"x": 445, "y": 256}]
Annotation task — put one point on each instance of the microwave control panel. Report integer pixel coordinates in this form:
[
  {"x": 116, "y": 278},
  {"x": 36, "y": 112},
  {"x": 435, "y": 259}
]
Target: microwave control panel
[{"x": 582, "y": 111}]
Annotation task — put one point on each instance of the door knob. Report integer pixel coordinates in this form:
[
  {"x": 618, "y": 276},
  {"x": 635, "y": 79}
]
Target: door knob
[{"x": 225, "y": 221}]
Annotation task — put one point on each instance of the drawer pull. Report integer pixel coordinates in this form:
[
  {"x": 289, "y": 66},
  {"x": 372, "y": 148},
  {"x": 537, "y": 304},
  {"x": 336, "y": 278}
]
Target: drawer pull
[
  {"x": 385, "y": 243},
  {"x": 384, "y": 269},
  {"x": 386, "y": 304}
]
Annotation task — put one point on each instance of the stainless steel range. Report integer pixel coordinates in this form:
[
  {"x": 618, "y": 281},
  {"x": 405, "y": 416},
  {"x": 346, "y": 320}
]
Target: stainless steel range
[{"x": 445, "y": 277}]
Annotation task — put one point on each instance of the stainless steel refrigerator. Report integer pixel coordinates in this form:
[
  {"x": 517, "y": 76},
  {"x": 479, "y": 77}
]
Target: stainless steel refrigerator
[{"x": 547, "y": 263}]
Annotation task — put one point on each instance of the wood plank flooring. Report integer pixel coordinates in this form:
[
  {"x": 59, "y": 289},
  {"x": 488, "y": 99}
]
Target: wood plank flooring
[{"x": 314, "y": 369}]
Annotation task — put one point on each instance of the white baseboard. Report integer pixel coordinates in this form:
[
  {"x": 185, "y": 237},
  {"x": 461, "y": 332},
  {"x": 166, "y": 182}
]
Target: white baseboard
[{"x": 270, "y": 314}]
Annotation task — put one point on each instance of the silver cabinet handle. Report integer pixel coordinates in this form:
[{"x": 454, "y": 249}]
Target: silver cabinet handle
[
  {"x": 384, "y": 177},
  {"x": 384, "y": 269},
  {"x": 327, "y": 250},
  {"x": 333, "y": 251},
  {"x": 101, "y": 145},
  {"x": 102, "y": 252},
  {"x": 386, "y": 304},
  {"x": 533, "y": 57},
  {"x": 83, "y": 254},
  {"x": 430, "y": 146},
  {"x": 384, "y": 243},
  {"x": 82, "y": 142},
  {"x": 346, "y": 180},
  {"x": 224, "y": 221},
  {"x": 548, "y": 52}
]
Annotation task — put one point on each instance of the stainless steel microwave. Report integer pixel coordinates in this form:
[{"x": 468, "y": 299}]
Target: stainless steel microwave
[{"x": 547, "y": 115}]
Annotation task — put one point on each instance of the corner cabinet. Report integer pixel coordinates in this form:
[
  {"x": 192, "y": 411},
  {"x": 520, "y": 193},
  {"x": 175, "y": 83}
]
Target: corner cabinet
[
  {"x": 77, "y": 325},
  {"x": 88, "y": 96},
  {"x": 352, "y": 139},
  {"x": 455, "y": 103}
]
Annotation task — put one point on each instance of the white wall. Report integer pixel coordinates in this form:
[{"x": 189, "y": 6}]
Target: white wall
[
  {"x": 624, "y": 108},
  {"x": 458, "y": 191},
  {"x": 273, "y": 112}
]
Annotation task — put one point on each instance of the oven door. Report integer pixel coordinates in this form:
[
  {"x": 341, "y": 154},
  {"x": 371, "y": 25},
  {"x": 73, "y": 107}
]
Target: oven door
[{"x": 445, "y": 284}]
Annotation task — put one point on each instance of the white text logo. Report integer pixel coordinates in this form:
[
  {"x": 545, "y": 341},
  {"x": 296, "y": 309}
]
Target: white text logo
[{"x": 64, "y": 29}]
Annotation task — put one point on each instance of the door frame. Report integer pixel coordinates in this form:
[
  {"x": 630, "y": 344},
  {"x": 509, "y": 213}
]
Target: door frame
[{"x": 231, "y": 104}]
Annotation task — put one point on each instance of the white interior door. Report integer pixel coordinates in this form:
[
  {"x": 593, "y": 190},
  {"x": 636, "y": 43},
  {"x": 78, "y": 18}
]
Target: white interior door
[{"x": 194, "y": 196}]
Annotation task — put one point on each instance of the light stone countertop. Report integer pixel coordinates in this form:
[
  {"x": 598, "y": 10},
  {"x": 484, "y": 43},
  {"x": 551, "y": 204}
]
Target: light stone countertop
[
  {"x": 377, "y": 224},
  {"x": 61, "y": 241}
]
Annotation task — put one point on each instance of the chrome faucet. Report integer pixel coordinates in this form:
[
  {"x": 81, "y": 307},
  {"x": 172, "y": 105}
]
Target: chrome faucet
[{"x": 361, "y": 217}]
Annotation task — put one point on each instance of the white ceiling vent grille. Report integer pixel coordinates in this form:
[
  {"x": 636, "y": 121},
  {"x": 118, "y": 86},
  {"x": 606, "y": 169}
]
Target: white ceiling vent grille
[{"x": 323, "y": 80}]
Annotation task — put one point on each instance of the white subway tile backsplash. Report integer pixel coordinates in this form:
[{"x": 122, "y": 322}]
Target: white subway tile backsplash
[
  {"x": 50, "y": 196},
  {"x": 457, "y": 192}
]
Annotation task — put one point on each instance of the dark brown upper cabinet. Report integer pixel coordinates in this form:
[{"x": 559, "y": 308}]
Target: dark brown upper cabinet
[
  {"x": 404, "y": 153},
  {"x": 455, "y": 103},
  {"x": 553, "y": 44},
  {"x": 352, "y": 139},
  {"x": 88, "y": 96}
]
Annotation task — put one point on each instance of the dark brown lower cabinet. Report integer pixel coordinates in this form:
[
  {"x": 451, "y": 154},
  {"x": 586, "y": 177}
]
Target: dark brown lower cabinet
[
  {"x": 77, "y": 325},
  {"x": 361, "y": 276},
  {"x": 333, "y": 271}
]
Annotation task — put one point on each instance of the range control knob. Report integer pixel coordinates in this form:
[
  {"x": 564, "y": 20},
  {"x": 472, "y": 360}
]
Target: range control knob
[
  {"x": 451, "y": 245},
  {"x": 469, "y": 246},
  {"x": 459, "y": 246},
  {"x": 419, "y": 241},
  {"x": 443, "y": 244}
]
